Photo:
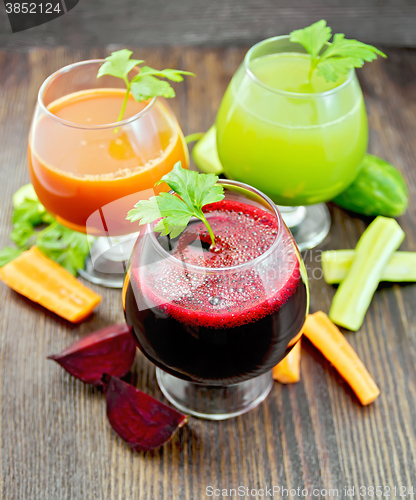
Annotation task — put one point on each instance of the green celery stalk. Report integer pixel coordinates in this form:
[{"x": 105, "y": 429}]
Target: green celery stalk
[
  {"x": 400, "y": 268},
  {"x": 352, "y": 299}
]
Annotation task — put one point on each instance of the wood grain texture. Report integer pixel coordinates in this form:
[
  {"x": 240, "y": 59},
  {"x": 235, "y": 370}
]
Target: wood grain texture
[
  {"x": 56, "y": 442},
  {"x": 215, "y": 22}
]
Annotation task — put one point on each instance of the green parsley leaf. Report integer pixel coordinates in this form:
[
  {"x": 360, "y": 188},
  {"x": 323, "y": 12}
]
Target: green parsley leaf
[
  {"x": 339, "y": 57},
  {"x": 30, "y": 211},
  {"x": 312, "y": 38},
  {"x": 176, "y": 215},
  {"x": 118, "y": 64},
  {"x": 7, "y": 254},
  {"x": 66, "y": 247},
  {"x": 193, "y": 191},
  {"x": 175, "y": 75},
  {"x": 342, "y": 55},
  {"x": 148, "y": 87},
  {"x": 21, "y": 233},
  {"x": 146, "y": 84}
]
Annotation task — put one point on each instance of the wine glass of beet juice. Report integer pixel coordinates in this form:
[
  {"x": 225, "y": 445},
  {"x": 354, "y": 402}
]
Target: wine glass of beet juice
[
  {"x": 216, "y": 321},
  {"x": 88, "y": 169}
]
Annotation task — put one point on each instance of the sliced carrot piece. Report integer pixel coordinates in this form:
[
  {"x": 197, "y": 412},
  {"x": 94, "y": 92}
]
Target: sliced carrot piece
[
  {"x": 288, "y": 370},
  {"x": 326, "y": 337},
  {"x": 295, "y": 339},
  {"x": 42, "y": 280}
]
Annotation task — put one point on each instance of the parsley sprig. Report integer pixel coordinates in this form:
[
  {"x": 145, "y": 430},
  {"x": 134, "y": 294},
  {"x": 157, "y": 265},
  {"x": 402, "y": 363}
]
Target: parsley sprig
[
  {"x": 146, "y": 84},
  {"x": 339, "y": 57},
  {"x": 173, "y": 212},
  {"x": 67, "y": 248}
]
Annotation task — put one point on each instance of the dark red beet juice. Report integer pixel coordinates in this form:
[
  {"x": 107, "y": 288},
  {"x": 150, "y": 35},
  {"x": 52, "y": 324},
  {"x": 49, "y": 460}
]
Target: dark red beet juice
[{"x": 219, "y": 315}]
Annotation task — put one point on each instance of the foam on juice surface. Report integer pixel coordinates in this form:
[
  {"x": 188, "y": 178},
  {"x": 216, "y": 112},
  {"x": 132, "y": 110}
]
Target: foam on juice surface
[{"x": 223, "y": 299}]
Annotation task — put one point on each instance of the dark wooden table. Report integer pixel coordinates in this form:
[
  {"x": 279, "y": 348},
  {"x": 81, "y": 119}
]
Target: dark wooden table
[{"x": 56, "y": 442}]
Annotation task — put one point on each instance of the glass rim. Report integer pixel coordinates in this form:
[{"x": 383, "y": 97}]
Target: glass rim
[
  {"x": 66, "y": 69},
  {"x": 228, "y": 269},
  {"x": 299, "y": 95}
]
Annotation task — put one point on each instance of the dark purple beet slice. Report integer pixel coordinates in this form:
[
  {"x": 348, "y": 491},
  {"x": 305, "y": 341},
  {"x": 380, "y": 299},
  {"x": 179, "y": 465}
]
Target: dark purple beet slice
[
  {"x": 110, "y": 350},
  {"x": 143, "y": 422}
]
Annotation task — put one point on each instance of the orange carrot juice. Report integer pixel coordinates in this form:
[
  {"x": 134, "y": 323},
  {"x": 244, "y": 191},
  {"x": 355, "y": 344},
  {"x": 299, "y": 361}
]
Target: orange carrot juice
[{"x": 78, "y": 163}]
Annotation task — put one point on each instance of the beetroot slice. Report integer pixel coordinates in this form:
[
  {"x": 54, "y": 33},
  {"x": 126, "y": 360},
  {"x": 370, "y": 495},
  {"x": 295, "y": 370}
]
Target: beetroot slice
[
  {"x": 110, "y": 350},
  {"x": 143, "y": 422}
]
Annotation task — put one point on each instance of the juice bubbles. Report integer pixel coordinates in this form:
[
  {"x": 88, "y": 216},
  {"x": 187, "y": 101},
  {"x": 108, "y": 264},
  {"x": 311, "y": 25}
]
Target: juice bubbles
[
  {"x": 218, "y": 317},
  {"x": 79, "y": 164},
  {"x": 299, "y": 142}
]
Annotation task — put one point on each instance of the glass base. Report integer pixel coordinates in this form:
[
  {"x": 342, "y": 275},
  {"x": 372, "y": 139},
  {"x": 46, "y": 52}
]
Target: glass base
[
  {"x": 108, "y": 260},
  {"x": 309, "y": 225},
  {"x": 109, "y": 280},
  {"x": 214, "y": 402}
]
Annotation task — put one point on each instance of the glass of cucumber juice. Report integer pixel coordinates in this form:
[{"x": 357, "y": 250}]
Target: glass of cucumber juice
[{"x": 300, "y": 141}]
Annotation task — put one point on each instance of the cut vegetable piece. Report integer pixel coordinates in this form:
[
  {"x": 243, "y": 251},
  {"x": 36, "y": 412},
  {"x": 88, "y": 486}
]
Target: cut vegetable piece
[
  {"x": 379, "y": 189},
  {"x": 400, "y": 268},
  {"x": 326, "y": 337},
  {"x": 26, "y": 192},
  {"x": 42, "y": 280},
  {"x": 288, "y": 370},
  {"x": 194, "y": 137},
  {"x": 110, "y": 350},
  {"x": 377, "y": 244},
  {"x": 143, "y": 422},
  {"x": 205, "y": 153},
  {"x": 296, "y": 338}
]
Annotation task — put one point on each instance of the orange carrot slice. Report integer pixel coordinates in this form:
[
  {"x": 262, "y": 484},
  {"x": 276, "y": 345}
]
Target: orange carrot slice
[
  {"x": 288, "y": 370},
  {"x": 326, "y": 337},
  {"x": 42, "y": 280},
  {"x": 295, "y": 339}
]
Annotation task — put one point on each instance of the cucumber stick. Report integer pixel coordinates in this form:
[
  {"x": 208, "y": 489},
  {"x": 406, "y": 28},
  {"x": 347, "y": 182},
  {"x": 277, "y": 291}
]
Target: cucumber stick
[
  {"x": 352, "y": 299},
  {"x": 400, "y": 268}
]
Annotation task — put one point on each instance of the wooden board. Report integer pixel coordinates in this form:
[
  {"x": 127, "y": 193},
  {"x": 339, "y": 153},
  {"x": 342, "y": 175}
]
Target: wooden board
[
  {"x": 214, "y": 22},
  {"x": 56, "y": 442}
]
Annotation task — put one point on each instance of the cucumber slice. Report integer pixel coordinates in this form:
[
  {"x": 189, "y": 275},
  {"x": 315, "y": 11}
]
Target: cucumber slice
[
  {"x": 194, "y": 137},
  {"x": 25, "y": 192},
  {"x": 205, "y": 153},
  {"x": 352, "y": 299},
  {"x": 400, "y": 268}
]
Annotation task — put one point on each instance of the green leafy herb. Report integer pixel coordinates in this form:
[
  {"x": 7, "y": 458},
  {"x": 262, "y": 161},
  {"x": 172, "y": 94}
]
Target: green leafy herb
[
  {"x": 22, "y": 233},
  {"x": 339, "y": 57},
  {"x": 30, "y": 211},
  {"x": 68, "y": 248},
  {"x": 146, "y": 84},
  {"x": 193, "y": 191}
]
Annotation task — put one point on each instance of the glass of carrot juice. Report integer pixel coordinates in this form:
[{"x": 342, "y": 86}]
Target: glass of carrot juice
[{"x": 87, "y": 168}]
